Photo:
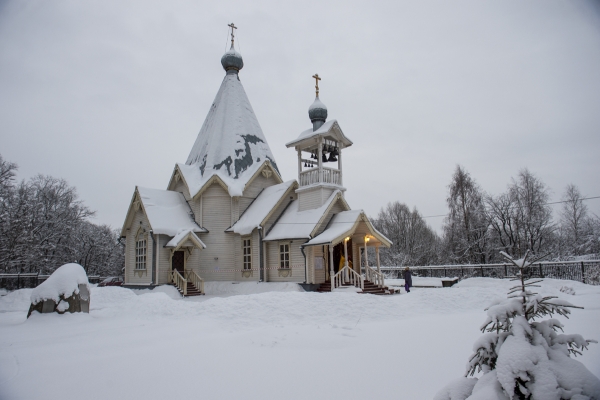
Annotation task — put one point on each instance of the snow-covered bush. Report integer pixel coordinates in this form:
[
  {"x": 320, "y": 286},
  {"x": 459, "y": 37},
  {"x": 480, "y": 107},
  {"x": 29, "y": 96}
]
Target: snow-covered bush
[
  {"x": 523, "y": 357},
  {"x": 67, "y": 289}
]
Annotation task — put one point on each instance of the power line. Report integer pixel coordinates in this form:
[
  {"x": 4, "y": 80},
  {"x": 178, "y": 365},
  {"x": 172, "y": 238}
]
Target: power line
[
  {"x": 545, "y": 204},
  {"x": 428, "y": 216}
]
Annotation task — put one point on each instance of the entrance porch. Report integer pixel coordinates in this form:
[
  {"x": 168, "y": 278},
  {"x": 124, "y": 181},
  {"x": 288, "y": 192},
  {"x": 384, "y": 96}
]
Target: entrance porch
[{"x": 348, "y": 230}]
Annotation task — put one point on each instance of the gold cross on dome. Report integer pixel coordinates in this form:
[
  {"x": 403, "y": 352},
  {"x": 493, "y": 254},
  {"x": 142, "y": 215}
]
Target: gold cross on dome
[
  {"x": 232, "y": 26},
  {"x": 317, "y": 79}
]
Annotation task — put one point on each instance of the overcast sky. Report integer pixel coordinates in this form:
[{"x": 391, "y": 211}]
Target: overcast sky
[{"x": 111, "y": 94}]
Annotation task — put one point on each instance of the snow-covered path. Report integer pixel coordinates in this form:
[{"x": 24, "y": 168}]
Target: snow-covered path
[{"x": 273, "y": 342}]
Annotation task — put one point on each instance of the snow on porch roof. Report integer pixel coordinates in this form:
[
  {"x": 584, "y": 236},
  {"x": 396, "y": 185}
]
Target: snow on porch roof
[
  {"x": 295, "y": 224},
  {"x": 182, "y": 236},
  {"x": 167, "y": 211},
  {"x": 343, "y": 224},
  {"x": 260, "y": 208}
]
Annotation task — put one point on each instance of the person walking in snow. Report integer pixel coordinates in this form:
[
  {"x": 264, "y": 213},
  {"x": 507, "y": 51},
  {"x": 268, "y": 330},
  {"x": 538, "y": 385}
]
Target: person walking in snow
[{"x": 407, "y": 279}]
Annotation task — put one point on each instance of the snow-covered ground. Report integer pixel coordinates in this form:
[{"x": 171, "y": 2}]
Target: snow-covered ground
[{"x": 263, "y": 341}]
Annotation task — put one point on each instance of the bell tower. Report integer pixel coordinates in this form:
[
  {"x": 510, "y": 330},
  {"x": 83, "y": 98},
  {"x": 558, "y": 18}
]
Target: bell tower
[{"x": 319, "y": 156}]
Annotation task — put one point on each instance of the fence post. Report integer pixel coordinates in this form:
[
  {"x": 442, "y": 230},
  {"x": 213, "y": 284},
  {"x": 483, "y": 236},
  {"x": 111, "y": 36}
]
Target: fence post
[
  {"x": 481, "y": 270},
  {"x": 18, "y": 280},
  {"x": 505, "y": 270},
  {"x": 582, "y": 272},
  {"x": 541, "y": 272},
  {"x": 445, "y": 274}
]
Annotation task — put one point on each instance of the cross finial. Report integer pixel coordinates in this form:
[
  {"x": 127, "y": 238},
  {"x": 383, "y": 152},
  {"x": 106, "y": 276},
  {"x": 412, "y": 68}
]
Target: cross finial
[
  {"x": 317, "y": 79},
  {"x": 232, "y": 26}
]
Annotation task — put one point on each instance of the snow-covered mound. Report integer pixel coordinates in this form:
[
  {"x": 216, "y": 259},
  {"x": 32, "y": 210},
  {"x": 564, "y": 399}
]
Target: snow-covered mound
[{"x": 64, "y": 282}]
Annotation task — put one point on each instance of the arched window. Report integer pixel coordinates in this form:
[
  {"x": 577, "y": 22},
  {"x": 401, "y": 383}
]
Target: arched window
[{"x": 140, "y": 250}]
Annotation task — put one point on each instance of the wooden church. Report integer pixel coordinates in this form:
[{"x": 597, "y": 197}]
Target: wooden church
[{"x": 228, "y": 215}]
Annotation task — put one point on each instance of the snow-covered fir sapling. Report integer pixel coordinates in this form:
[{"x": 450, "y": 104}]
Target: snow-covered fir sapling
[{"x": 522, "y": 356}]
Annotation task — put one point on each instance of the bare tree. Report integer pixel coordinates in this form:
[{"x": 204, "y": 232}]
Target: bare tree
[
  {"x": 466, "y": 226},
  {"x": 413, "y": 241},
  {"x": 573, "y": 216},
  {"x": 43, "y": 224},
  {"x": 521, "y": 218}
]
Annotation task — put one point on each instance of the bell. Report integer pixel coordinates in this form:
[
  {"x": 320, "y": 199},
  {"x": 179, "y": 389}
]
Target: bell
[
  {"x": 305, "y": 164},
  {"x": 312, "y": 155},
  {"x": 332, "y": 157},
  {"x": 335, "y": 152},
  {"x": 324, "y": 158}
]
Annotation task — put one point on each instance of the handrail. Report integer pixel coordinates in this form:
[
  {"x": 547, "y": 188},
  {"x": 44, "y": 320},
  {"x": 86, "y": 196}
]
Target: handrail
[
  {"x": 376, "y": 277},
  {"x": 347, "y": 275},
  {"x": 179, "y": 281},
  {"x": 196, "y": 280}
]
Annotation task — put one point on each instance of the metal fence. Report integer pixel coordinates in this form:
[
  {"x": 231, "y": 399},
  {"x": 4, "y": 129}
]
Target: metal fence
[
  {"x": 30, "y": 280},
  {"x": 582, "y": 271}
]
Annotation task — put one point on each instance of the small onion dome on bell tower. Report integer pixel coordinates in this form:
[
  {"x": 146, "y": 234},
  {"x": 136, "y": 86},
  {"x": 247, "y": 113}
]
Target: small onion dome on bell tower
[
  {"x": 317, "y": 112},
  {"x": 232, "y": 60}
]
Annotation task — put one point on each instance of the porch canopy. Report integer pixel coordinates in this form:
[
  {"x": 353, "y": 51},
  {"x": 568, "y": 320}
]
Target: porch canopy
[
  {"x": 185, "y": 238},
  {"x": 354, "y": 224}
]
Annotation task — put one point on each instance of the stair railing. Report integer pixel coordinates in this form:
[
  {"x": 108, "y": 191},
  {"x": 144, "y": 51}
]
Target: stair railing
[
  {"x": 347, "y": 275},
  {"x": 197, "y": 281},
  {"x": 179, "y": 281},
  {"x": 375, "y": 277}
]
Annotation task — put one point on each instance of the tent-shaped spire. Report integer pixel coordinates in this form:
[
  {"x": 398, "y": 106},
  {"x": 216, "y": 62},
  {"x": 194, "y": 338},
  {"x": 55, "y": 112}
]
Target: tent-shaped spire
[{"x": 231, "y": 143}]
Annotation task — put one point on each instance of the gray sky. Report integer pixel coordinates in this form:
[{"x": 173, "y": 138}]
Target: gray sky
[{"x": 111, "y": 94}]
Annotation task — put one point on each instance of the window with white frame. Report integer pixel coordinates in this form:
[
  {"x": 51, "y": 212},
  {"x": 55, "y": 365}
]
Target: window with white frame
[
  {"x": 284, "y": 255},
  {"x": 140, "y": 250},
  {"x": 247, "y": 251}
]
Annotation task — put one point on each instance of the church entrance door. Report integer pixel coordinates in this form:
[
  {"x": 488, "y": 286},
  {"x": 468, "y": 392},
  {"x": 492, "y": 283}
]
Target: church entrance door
[
  {"x": 178, "y": 262},
  {"x": 338, "y": 253}
]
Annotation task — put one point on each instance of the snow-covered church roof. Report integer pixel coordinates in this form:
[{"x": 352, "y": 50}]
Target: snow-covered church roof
[
  {"x": 167, "y": 211},
  {"x": 231, "y": 143},
  {"x": 261, "y": 207}
]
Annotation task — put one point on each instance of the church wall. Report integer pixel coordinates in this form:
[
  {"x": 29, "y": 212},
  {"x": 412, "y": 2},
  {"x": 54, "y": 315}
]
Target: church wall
[
  {"x": 337, "y": 207},
  {"x": 182, "y": 188},
  {"x": 313, "y": 198},
  {"x": 255, "y": 187},
  {"x": 217, "y": 261},
  {"x": 132, "y": 276},
  {"x": 296, "y": 262},
  {"x": 278, "y": 211}
]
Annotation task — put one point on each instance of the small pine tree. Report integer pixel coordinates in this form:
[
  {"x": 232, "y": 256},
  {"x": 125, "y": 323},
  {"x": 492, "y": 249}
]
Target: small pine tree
[{"x": 523, "y": 357}]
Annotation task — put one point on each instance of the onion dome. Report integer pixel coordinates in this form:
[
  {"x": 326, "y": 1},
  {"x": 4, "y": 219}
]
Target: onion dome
[
  {"x": 317, "y": 112},
  {"x": 232, "y": 60}
]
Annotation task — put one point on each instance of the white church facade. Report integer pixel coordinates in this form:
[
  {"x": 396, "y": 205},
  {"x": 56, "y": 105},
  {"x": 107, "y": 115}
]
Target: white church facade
[{"x": 227, "y": 214}]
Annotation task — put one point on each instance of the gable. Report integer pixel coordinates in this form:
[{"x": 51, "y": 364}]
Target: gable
[{"x": 336, "y": 207}]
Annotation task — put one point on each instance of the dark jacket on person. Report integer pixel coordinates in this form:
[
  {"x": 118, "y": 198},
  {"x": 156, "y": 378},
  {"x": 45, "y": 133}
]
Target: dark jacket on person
[{"x": 408, "y": 278}]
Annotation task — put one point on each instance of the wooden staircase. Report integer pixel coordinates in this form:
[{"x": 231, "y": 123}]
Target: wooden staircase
[
  {"x": 191, "y": 290},
  {"x": 370, "y": 288}
]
